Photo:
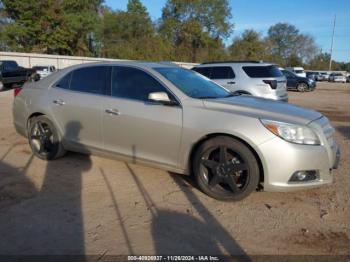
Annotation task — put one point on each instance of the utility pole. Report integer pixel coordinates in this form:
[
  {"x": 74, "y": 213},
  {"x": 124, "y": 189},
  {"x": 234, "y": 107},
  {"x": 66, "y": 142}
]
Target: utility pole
[{"x": 330, "y": 60}]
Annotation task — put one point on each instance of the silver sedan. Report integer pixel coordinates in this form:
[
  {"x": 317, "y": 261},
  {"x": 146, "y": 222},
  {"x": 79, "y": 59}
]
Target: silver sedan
[{"x": 173, "y": 118}]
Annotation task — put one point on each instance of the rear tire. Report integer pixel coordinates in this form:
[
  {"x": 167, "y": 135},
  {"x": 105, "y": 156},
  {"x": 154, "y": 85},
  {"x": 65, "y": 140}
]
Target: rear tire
[
  {"x": 225, "y": 169},
  {"x": 44, "y": 139}
]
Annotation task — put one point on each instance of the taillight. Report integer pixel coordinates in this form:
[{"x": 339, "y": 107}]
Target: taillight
[
  {"x": 272, "y": 83},
  {"x": 16, "y": 91}
]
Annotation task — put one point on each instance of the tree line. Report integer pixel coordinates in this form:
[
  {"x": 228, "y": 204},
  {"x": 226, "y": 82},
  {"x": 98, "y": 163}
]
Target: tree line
[{"x": 191, "y": 31}]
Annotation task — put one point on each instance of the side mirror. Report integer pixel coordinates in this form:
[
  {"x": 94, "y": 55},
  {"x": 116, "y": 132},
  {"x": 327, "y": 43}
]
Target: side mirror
[{"x": 162, "y": 98}]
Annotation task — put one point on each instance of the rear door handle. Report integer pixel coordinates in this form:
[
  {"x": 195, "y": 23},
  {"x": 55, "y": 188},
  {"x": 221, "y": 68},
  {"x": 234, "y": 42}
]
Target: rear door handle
[
  {"x": 231, "y": 83},
  {"x": 112, "y": 112},
  {"x": 59, "y": 102}
]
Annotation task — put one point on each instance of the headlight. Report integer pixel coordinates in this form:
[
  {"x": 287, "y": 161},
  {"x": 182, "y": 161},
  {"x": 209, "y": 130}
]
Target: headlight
[{"x": 292, "y": 133}]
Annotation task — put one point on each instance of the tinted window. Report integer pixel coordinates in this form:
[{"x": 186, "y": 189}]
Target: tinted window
[
  {"x": 262, "y": 71},
  {"x": 222, "y": 72},
  {"x": 193, "y": 84},
  {"x": 133, "y": 83},
  {"x": 206, "y": 71},
  {"x": 11, "y": 65},
  {"x": 93, "y": 79},
  {"x": 287, "y": 73},
  {"x": 64, "y": 82}
]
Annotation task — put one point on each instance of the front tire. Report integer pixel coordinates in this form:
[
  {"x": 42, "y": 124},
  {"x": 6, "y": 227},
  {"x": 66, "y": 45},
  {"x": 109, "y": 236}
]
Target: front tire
[
  {"x": 44, "y": 139},
  {"x": 302, "y": 87},
  {"x": 225, "y": 169}
]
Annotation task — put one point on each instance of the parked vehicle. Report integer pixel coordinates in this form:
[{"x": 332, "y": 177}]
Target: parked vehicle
[
  {"x": 319, "y": 76},
  {"x": 299, "y": 71},
  {"x": 348, "y": 79},
  {"x": 299, "y": 83},
  {"x": 337, "y": 77},
  {"x": 311, "y": 75},
  {"x": 325, "y": 76},
  {"x": 11, "y": 74},
  {"x": 44, "y": 71},
  {"x": 173, "y": 118},
  {"x": 247, "y": 77}
]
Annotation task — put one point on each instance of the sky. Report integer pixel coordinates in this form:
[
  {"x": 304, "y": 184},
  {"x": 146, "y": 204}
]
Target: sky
[{"x": 313, "y": 17}]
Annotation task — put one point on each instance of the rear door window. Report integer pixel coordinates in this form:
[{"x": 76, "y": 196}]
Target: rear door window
[
  {"x": 222, "y": 72},
  {"x": 64, "y": 82},
  {"x": 262, "y": 71},
  {"x": 133, "y": 83},
  {"x": 206, "y": 71},
  {"x": 94, "y": 79}
]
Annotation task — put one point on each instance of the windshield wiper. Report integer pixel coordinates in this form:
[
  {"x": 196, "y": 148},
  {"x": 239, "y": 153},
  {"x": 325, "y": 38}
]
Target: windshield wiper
[
  {"x": 233, "y": 94},
  {"x": 207, "y": 97}
]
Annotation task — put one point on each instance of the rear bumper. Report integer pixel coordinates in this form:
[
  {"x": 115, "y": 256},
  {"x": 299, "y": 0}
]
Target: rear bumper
[{"x": 282, "y": 98}]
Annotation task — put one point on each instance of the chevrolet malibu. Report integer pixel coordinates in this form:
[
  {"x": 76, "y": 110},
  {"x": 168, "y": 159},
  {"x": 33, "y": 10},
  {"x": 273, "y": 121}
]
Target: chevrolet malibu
[{"x": 173, "y": 118}]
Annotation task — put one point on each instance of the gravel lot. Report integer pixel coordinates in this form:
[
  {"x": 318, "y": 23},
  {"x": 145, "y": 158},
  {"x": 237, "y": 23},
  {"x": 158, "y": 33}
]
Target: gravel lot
[{"x": 91, "y": 205}]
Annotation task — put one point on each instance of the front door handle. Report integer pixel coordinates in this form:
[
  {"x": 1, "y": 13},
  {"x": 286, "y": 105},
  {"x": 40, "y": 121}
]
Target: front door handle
[
  {"x": 231, "y": 83},
  {"x": 59, "y": 102},
  {"x": 112, "y": 112}
]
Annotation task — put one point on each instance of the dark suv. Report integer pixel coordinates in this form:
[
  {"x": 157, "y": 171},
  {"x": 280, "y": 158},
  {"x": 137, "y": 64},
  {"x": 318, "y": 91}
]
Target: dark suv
[{"x": 298, "y": 83}]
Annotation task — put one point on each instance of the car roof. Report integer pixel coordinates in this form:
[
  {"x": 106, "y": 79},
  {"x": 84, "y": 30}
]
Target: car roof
[
  {"x": 228, "y": 63},
  {"x": 141, "y": 64}
]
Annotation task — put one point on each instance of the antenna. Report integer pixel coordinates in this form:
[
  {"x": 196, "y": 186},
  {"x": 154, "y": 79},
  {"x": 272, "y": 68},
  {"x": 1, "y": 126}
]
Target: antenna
[{"x": 330, "y": 60}]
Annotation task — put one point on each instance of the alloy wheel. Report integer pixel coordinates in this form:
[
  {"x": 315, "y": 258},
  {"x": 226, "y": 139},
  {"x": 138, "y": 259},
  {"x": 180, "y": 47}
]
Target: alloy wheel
[{"x": 224, "y": 170}]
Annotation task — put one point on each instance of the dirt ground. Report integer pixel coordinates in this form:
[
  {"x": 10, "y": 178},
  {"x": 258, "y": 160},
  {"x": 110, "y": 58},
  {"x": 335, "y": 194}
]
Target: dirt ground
[{"x": 91, "y": 205}]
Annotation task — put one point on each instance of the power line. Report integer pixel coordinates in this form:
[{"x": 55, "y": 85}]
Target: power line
[{"x": 330, "y": 60}]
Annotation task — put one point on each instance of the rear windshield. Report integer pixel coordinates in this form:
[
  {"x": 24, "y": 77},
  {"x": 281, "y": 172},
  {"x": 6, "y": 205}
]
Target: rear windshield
[{"x": 262, "y": 71}]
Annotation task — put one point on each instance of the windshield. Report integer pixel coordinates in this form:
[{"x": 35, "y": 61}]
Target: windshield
[
  {"x": 192, "y": 83},
  {"x": 299, "y": 71}
]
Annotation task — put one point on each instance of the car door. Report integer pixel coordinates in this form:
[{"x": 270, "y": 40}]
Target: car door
[
  {"x": 291, "y": 79},
  {"x": 137, "y": 128},
  {"x": 224, "y": 76},
  {"x": 76, "y": 102}
]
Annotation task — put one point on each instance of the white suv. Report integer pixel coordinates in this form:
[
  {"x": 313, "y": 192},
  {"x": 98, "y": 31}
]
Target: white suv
[{"x": 247, "y": 77}]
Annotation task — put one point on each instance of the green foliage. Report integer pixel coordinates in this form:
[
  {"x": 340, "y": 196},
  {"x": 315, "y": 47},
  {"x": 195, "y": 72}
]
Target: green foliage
[
  {"x": 250, "y": 46},
  {"x": 131, "y": 35},
  {"x": 289, "y": 45},
  {"x": 195, "y": 26},
  {"x": 50, "y": 26},
  {"x": 191, "y": 30},
  {"x": 319, "y": 62}
]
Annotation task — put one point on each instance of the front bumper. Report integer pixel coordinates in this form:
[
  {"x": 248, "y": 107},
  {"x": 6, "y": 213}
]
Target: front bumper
[
  {"x": 312, "y": 85},
  {"x": 282, "y": 159}
]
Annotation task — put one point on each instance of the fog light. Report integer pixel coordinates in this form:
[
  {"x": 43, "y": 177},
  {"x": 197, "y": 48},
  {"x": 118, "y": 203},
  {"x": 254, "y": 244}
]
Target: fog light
[{"x": 303, "y": 176}]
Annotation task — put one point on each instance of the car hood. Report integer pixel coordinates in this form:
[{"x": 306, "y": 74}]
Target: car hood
[{"x": 263, "y": 108}]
